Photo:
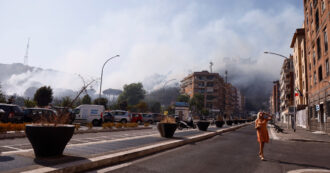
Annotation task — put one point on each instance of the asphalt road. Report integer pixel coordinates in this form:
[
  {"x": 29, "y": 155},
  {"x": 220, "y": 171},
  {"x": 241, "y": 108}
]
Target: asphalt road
[{"x": 232, "y": 152}]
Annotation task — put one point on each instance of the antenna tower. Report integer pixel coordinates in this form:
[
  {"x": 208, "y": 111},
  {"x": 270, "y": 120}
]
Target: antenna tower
[
  {"x": 226, "y": 76},
  {"x": 211, "y": 64},
  {"x": 27, "y": 52}
]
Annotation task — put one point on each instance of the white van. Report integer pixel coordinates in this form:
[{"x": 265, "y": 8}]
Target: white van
[{"x": 89, "y": 114}]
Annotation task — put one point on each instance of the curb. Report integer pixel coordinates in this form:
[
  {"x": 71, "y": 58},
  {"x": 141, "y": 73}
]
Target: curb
[
  {"x": 111, "y": 159},
  {"x": 22, "y": 134}
]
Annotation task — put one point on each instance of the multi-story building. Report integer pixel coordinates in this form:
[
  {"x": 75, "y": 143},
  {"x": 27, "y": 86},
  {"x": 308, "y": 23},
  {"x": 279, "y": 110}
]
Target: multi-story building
[
  {"x": 286, "y": 88},
  {"x": 210, "y": 85},
  {"x": 275, "y": 99},
  {"x": 299, "y": 63},
  {"x": 317, "y": 24}
]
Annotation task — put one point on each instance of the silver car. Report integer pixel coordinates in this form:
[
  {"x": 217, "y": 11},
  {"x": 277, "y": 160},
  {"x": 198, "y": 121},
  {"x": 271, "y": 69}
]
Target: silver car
[
  {"x": 148, "y": 117},
  {"x": 121, "y": 116}
]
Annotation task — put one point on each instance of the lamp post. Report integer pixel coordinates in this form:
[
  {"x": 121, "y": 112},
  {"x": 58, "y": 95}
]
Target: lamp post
[
  {"x": 276, "y": 54},
  {"x": 102, "y": 75}
]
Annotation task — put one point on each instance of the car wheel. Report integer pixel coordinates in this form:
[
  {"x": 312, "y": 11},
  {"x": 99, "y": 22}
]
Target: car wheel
[
  {"x": 124, "y": 121},
  {"x": 95, "y": 122},
  {"x": 139, "y": 122}
]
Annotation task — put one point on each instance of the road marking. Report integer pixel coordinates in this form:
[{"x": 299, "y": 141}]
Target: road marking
[
  {"x": 309, "y": 171},
  {"x": 13, "y": 148}
]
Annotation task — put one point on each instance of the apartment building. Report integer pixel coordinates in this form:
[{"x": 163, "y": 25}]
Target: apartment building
[
  {"x": 300, "y": 69},
  {"x": 275, "y": 99},
  {"x": 316, "y": 24},
  {"x": 210, "y": 85},
  {"x": 286, "y": 88}
]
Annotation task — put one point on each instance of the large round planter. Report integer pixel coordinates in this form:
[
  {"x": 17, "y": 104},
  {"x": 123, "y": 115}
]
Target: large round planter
[
  {"x": 49, "y": 140},
  {"x": 203, "y": 125},
  {"x": 219, "y": 124},
  {"x": 229, "y": 122},
  {"x": 166, "y": 129}
]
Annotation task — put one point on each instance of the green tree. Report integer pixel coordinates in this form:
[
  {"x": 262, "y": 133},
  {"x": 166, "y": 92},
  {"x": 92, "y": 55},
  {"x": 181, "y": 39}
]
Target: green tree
[
  {"x": 29, "y": 103},
  {"x": 123, "y": 105},
  {"x": 196, "y": 103},
  {"x": 101, "y": 101},
  {"x": 155, "y": 107},
  {"x": 2, "y": 96},
  {"x": 142, "y": 106},
  {"x": 43, "y": 96},
  {"x": 183, "y": 98},
  {"x": 133, "y": 94},
  {"x": 66, "y": 101},
  {"x": 86, "y": 99}
]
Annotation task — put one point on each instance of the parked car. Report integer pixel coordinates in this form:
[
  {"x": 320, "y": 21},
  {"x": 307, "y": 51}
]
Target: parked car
[
  {"x": 157, "y": 117},
  {"x": 136, "y": 118},
  {"x": 12, "y": 113},
  {"x": 89, "y": 114},
  {"x": 39, "y": 114},
  {"x": 65, "y": 111},
  {"x": 108, "y": 117},
  {"x": 147, "y": 117},
  {"x": 121, "y": 116}
]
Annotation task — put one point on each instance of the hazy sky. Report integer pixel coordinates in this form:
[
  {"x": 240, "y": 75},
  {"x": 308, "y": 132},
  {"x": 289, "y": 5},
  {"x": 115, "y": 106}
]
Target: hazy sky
[{"x": 156, "y": 39}]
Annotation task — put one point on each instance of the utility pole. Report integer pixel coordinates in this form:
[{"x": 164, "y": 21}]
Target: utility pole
[
  {"x": 27, "y": 52},
  {"x": 226, "y": 76}
]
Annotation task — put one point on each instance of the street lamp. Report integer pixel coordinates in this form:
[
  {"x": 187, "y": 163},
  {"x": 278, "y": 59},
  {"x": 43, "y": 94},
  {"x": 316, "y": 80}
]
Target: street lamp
[
  {"x": 276, "y": 54},
  {"x": 102, "y": 74}
]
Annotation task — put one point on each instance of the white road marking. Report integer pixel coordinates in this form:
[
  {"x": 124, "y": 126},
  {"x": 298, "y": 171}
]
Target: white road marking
[
  {"x": 13, "y": 148},
  {"x": 309, "y": 171}
]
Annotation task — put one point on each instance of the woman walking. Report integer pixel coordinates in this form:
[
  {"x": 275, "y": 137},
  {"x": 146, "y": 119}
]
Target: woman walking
[{"x": 262, "y": 133}]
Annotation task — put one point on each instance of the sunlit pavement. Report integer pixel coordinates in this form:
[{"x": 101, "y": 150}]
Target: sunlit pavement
[
  {"x": 18, "y": 153},
  {"x": 234, "y": 152}
]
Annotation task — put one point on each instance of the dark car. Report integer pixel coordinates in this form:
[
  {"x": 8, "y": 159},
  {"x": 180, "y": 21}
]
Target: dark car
[
  {"x": 39, "y": 115},
  {"x": 108, "y": 117},
  {"x": 11, "y": 113}
]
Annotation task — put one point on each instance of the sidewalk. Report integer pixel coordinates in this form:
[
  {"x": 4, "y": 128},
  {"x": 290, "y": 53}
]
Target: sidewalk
[
  {"x": 301, "y": 134},
  {"x": 82, "y": 157}
]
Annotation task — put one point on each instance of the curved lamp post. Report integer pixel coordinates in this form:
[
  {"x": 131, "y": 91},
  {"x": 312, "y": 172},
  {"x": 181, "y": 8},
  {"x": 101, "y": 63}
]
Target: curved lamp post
[
  {"x": 102, "y": 75},
  {"x": 276, "y": 54}
]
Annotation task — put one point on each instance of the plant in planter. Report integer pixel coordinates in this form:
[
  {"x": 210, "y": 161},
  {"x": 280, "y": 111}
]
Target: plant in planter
[
  {"x": 203, "y": 125},
  {"x": 235, "y": 120},
  {"x": 51, "y": 134},
  {"x": 229, "y": 122},
  {"x": 219, "y": 122},
  {"x": 167, "y": 127}
]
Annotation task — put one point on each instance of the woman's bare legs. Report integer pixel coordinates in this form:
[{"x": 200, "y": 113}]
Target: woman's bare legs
[{"x": 261, "y": 150}]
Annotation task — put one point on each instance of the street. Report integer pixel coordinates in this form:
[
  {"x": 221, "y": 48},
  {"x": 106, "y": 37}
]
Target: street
[{"x": 233, "y": 152}]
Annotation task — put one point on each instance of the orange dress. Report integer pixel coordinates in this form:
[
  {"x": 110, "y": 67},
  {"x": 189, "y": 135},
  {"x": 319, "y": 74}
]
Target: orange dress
[{"x": 262, "y": 131}]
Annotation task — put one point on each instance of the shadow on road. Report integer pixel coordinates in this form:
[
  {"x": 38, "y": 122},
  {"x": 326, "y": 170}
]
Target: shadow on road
[
  {"x": 296, "y": 164},
  {"x": 6, "y": 158},
  {"x": 52, "y": 161}
]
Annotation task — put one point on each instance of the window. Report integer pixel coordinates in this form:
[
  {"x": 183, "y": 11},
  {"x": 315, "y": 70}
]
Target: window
[
  {"x": 311, "y": 8},
  {"x": 310, "y": 66},
  {"x": 318, "y": 47},
  {"x": 325, "y": 38},
  {"x": 323, "y": 5},
  {"x": 210, "y": 84},
  {"x": 314, "y": 77},
  {"x": 315, "y": 3},
  {"x": 317, "y": 20},
  {"x": 327, "y": 67},
  {"x": 320, "y": 73}
]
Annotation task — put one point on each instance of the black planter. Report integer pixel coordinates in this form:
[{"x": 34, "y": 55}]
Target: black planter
[
  {"x": 219, "y": 124},
  {"x": 235, "y": 121},
  {"x": 203, "y": 125},
  {"x": 229, "y": 122},
  {"x": 240, "y": 121},
  {"x": 48, "y": 141},
  {"x": 166, "y": 129}
]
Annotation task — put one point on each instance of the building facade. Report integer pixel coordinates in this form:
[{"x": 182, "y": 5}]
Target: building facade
[
  {"x": 210, "y": 85},
  {"x": 300, "y": 70},
  {"x": 316, "y": 24},
  {"x": 274, "y": 101},
  {"x": 286, "y": 88}
]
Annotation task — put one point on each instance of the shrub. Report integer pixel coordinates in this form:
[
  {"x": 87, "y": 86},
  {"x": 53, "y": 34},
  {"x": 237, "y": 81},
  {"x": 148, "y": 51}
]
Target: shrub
[
  {"x": 89, "y": 125},
  {"x": 107, "y": 125},
  {"x": 118, "y": 125},
  {"x": 146, "y": 124},
  {"x": 76, "y": 127}
]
